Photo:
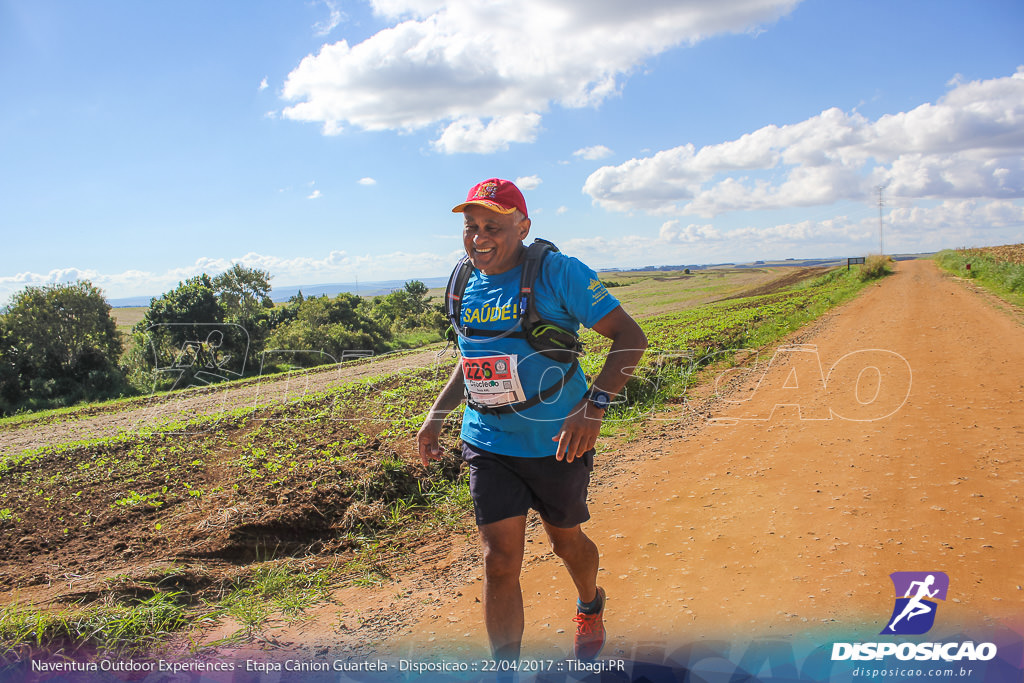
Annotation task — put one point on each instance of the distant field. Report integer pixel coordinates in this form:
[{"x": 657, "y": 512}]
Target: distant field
[
  {"x": 649, "y": 293},
  {"x": 127, "y": 317}
]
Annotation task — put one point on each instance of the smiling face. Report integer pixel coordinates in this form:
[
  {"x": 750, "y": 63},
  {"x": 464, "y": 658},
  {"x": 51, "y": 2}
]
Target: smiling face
[{"x": 493, "y": 241}]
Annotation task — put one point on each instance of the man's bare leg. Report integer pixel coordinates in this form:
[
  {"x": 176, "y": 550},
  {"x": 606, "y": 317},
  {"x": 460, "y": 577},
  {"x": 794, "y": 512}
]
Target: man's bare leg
[
  {"x": 580, "y": 556},
  {"x": 503, "y": 544}
]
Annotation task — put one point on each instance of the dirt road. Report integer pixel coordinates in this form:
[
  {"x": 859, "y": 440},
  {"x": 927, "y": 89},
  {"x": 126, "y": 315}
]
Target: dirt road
[{"x": 776, "y": 523}]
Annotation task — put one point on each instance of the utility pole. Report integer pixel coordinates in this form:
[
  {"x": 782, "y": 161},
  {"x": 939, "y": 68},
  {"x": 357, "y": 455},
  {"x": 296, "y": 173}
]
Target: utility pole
[{"x": 881, "y": 203}]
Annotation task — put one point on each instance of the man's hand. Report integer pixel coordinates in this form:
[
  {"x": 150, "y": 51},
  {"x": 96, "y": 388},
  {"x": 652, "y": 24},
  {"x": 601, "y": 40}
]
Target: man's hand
[
  {"x": 427, "y": 440},
  {"x": 579, "y": 431},
  {"x": 450, "y": 397}
]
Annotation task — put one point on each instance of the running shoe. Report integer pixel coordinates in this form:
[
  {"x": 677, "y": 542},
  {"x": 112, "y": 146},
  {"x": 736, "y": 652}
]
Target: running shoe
[{"x": 590, "y": 634}]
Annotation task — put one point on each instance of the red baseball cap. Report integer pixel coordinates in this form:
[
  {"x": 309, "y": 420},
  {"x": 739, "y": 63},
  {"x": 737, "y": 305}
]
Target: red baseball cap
[{"x": 497, "y": 195}]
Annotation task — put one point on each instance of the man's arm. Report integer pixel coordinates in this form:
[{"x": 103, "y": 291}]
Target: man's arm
[
  {"x": 447, "y": 401},
  {"x": 580, "y": 429}
]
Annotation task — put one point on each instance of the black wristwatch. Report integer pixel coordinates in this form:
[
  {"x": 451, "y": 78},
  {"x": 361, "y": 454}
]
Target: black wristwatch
[{"x": 599, "y": 398}]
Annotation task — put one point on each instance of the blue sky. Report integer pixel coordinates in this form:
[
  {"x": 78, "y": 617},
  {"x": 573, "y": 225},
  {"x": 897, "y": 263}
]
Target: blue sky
[{"x": 142, "y": 143}]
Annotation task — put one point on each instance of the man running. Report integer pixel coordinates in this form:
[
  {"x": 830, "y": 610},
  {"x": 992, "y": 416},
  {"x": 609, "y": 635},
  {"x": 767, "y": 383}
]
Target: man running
[
  {"x": 523, "y": 452},
  {"x": 916, "y": 606}
]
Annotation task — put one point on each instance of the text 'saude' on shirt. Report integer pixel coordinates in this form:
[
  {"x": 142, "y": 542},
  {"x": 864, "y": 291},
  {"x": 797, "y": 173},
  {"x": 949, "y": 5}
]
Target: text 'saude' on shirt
[{"x": 568, "y": 294}]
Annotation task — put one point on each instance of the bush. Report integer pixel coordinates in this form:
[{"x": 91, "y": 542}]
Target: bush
[
  {"x": 875, "y": 266},
  {"x": 58, "y": 345}
]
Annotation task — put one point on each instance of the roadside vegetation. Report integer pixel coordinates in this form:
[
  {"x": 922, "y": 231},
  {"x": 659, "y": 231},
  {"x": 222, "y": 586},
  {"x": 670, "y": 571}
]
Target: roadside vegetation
[
  {"x": 258, "y": 513},
  {"x": 682, "y": 342},
  {"x": 998, "y": 269},
  {"x": 60, "y": 346},
  {"x": 875, "y": 266}
]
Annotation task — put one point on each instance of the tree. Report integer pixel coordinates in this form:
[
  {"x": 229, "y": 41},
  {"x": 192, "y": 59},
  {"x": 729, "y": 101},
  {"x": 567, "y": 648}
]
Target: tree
[
  {"x": 180, "y": 315},
  {"x": 417, "y": 293},
  {"x": 201, "y": 324},
  {"x": 61, "y": 344},
  {"x": 332, "y": 326},
  {"x": 177, "y": 322},
  {"x": 404, "y": 309},
  {"x": 243, "y": 292},
  {"x": 10, "y": 378}
]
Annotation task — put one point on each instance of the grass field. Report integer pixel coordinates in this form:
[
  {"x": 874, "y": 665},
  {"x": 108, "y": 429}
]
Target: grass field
[
  {"x": 647, "y": 293},
  {"x": 652, "y": 293},
  {"x": 998, "y": 269},
  {"x": 126, "y": 317}
]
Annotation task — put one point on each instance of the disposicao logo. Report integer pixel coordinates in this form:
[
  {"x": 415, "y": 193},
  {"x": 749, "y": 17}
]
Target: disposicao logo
[{"x": 914, "y": 612}]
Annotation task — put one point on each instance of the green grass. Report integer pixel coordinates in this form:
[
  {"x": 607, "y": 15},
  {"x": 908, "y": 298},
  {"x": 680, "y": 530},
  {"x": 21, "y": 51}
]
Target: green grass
[
  {"x": 275, "y": 589},
  {"x": 413, "y": 339},
  {"x": 1002, "y": 278},
  {"x": 26, "y": 417},
  {"x": 646, "y": 293},
  {"x": 46, "y": 416},
  {"x": 144, "y": 626},
  {"x": 114, "y": 630},
  {"x": 680, "y": 343}
]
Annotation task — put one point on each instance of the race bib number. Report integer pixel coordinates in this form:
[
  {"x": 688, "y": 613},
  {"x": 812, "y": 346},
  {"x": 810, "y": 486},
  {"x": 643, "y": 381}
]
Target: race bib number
[{"x": 493, "y": 380}]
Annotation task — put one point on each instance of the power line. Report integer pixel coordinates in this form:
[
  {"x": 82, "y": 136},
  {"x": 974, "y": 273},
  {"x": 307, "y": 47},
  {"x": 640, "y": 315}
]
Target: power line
[{"x": 881, "y": 203}]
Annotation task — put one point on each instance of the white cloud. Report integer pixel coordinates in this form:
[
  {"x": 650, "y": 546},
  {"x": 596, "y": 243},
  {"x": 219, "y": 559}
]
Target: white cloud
[
  {"x": 470, "y": 135},
  {"x": 334, "y": 18},
  {"x": 561, "y": 210},
  {"x": 263, "y": 84},
  {"x": 978, "y": 217},
  {"x": 529, "y": 182},
  {"x": 485, "y": 72},
  {"x": 673, "y": 232},
  {"x": 367, "y": 181},
  {"x": 593, "y": 153},
  {"x": 678, "y": 244},
  {"x": 970, "y": 143},
  {"x": 314, "y": 195}
]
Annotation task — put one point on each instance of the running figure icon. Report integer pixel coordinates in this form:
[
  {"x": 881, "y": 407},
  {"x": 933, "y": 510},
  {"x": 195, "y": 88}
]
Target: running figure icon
[
  {"x": 916, "y": 606},
  {"x": 916, "y": 603}
]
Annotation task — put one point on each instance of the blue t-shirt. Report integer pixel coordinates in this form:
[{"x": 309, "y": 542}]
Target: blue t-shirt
[{"x": 568, "y": 294}]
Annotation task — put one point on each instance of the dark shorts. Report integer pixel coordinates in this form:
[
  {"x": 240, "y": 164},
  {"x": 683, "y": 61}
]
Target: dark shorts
[{"x": 504, "y": 486}]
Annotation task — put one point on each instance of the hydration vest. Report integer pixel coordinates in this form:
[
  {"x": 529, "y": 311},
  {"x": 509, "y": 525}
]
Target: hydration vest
[{"x": 547, "y": 338}]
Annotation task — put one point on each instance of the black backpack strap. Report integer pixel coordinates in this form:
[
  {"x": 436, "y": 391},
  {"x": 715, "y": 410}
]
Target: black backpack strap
[
  {"x": 455, "y": 289},
  {"x": 535, "y": 254}
]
